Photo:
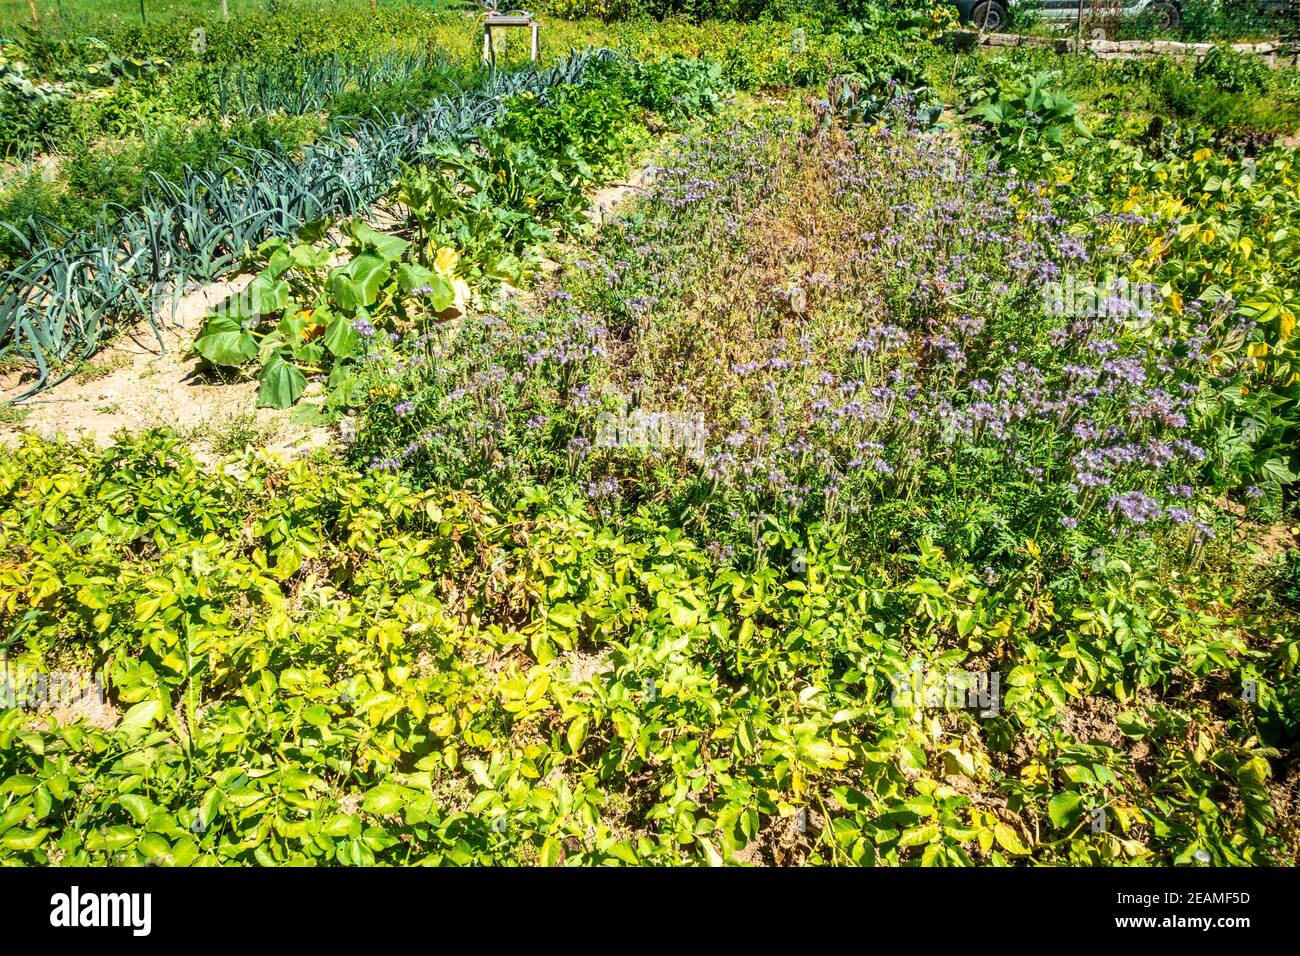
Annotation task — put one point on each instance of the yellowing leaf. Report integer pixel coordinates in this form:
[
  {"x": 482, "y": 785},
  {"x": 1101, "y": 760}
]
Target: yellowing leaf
[
  {"x": 446, "y": 261},
  {"x": 1009, "y": 840},
  {"x": 550, "y": 855},
  {"x": 1286, "y": 325},
  {"x": 577, "y": 734}
]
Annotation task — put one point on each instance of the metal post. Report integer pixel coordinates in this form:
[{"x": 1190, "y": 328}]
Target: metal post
[{"x": 536, "y": 44}]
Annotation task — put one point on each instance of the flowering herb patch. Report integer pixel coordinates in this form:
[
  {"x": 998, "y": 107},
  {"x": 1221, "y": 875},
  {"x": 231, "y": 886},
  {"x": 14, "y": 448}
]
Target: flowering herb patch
[{"x": 851, "y": 387}]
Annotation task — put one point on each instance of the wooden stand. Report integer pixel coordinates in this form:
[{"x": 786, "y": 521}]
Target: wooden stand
[{"x": 510, "y": 20}]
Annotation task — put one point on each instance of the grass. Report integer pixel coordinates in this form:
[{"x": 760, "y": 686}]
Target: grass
[
  {"x": 60, "y": 15},
  {"x": 101, "y": 366},
  {"x": 234, "y": 435}
]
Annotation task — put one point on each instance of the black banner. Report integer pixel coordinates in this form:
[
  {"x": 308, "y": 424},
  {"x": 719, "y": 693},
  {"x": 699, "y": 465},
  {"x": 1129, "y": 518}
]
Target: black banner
[{"x": 156, "y": 906}]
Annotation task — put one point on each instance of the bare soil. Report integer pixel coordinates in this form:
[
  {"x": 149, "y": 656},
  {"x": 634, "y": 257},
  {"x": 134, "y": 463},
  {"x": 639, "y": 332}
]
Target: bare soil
[{"x": 138, "y": 383}]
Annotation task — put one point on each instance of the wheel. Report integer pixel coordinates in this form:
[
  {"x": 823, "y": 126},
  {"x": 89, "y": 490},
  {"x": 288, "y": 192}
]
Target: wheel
[
  {"x": 1166, "y": 15},
  {"x": 989, "y": 16}
]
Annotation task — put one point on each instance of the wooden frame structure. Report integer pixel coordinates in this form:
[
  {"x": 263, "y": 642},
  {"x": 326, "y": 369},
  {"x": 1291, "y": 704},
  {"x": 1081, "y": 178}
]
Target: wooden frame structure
[{"x": 518, "y": 19}]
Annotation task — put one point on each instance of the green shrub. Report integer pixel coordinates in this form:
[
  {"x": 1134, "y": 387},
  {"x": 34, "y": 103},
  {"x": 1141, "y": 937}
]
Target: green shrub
[{"x": 1233, "y": 71}]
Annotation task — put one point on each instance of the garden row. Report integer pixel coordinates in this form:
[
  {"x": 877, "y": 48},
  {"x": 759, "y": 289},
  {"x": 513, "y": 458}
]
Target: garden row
[
  {"x": 91, "y": 124},
  {"x": 62, "y": 298},
  {"x": 477, "y": 213}
]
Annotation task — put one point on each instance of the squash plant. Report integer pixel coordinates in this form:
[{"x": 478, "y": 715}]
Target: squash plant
[
  {"x": 300, "y": 315},
  {"x": 497, "y": 200}
]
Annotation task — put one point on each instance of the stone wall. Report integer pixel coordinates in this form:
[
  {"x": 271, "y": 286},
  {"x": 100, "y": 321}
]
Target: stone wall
[{"x": 1277, "y": 53}]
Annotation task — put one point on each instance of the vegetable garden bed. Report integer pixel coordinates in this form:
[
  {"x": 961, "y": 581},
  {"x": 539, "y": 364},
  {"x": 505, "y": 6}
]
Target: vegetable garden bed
[{"x": 907, "y": 477}]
